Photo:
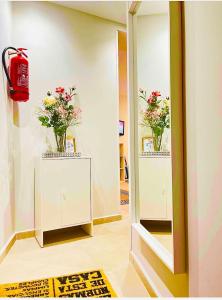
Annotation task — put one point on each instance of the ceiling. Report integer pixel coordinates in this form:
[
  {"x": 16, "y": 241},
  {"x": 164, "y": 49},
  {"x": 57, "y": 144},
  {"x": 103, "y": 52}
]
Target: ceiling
[
  {"x": 153, "y": 8},
  {"x": 116, "y": 10},
  {"x": 111, "y": 10}
]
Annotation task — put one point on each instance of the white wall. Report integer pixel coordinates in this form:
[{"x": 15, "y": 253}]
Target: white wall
[
  {"x": 6, "y": 138},
  {"x": 153, "y": 67},
  {"x": 203, "y": 26},
  {"x": 67, "y": 47}
]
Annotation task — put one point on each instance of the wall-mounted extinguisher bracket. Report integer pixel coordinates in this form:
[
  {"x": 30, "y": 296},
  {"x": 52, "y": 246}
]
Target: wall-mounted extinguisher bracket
[{"x": 17, "y": 73}]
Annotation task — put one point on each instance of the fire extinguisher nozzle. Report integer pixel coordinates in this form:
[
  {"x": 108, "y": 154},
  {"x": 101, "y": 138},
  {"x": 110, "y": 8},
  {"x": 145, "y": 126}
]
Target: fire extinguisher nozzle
[{"x": 11, "y": 90}]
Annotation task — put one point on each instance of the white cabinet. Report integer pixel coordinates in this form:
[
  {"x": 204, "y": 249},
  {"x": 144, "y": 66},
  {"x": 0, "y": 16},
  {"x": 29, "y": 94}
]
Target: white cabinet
[
  {"x": 62, "y": 194},
  {"x": 155, "y": 187}
]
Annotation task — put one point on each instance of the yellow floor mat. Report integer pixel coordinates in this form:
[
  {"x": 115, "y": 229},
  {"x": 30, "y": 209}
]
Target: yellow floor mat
[{"x": 86, "y": 284}]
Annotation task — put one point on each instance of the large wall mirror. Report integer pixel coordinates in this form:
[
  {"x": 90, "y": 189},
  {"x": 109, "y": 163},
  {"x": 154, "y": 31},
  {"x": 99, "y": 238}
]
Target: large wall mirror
[{"x": 158, "y": 158}]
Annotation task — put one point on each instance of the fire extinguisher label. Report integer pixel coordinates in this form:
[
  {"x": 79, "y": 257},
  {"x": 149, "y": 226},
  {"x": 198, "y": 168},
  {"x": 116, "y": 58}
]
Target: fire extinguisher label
[{"x": 22, "y": 79}]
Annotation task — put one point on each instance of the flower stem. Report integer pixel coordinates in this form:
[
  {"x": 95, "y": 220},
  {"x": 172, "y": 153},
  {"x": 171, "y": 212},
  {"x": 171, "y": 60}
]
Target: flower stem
[
  {"x": 160, "y": 142},
  {"x": 56, "y": 141}
]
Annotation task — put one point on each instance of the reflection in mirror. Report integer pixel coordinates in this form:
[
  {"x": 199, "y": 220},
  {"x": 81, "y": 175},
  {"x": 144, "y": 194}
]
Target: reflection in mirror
[{"x": 153, "y": 79}]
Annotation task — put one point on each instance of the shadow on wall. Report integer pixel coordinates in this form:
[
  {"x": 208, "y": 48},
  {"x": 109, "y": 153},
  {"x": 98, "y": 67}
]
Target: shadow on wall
[{"x": 16, "y": 120}]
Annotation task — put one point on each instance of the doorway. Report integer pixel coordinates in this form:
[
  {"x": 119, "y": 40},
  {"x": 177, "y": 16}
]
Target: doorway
[{"x": 123, "y": 123}]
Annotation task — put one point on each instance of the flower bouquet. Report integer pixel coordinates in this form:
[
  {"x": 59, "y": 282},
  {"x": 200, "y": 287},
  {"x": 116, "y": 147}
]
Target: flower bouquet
[
  {"x": 156, "y": 115},
  {"x": 58, "y": 112}
]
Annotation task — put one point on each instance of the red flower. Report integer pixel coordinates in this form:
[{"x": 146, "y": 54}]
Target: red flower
[
  {"x": 150, "y": 100},
  {"x": 156, "y": 94},
  {"x": 60, "y": 90}
]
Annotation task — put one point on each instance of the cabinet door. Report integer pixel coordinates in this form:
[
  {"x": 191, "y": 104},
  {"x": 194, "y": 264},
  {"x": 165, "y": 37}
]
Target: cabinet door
[
  {"x": 155, "y": 188},
  {"x": 51, "y": 196},
  {"x": 75, "y": 192}
]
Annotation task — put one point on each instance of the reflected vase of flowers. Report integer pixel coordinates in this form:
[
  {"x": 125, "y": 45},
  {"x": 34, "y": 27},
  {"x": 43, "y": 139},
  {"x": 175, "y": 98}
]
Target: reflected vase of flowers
[
  {"x": 156, "y": 116},
  {"x": 157, "y": 141}
]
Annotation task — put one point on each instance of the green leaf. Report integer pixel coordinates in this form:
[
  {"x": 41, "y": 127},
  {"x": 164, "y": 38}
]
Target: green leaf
[{"x": 42, "y": 119}]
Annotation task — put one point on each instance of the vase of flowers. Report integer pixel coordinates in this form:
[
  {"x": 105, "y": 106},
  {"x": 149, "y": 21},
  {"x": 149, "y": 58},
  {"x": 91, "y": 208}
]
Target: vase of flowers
[
  {"x": 156, "y": 115},
  {"x": 58, "y": 112}
]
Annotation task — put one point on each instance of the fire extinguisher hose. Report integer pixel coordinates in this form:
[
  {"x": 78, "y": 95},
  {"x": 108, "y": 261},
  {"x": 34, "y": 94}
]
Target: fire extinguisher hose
[{"x": 5, "y": 67}]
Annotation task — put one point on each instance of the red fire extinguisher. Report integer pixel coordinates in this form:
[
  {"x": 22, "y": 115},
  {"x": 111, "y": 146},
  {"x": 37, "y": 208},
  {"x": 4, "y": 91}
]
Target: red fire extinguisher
[{"x": 17, "y": 74}]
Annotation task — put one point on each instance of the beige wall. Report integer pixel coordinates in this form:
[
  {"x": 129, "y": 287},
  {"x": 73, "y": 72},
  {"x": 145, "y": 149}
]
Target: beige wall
[
  {"x": 6, "y": 139},
  {"x": 203, "y": 26},
  {"x": 67, "y": 47},
  {"x": 152, "y": 60},
  {"x": 123, "y": 105}
]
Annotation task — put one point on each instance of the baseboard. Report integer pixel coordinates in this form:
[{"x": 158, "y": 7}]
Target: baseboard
[
  {"x": 107, "y": 219},
  {"x": 25, "y": 234},
  {"x": 16, "y": 236},
  {"x": 5, "y": 250},
  {"x": 142, "y": 276}
]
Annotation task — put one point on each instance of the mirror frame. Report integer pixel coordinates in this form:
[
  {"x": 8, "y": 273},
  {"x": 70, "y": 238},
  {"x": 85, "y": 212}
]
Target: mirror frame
[{"x": 176, "y": 262}]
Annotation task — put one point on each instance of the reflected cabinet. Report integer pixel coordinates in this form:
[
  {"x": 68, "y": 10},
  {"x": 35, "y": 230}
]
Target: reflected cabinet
[
  {"x": 157, "y": 159},
  {"x": 155, "y": 194}
]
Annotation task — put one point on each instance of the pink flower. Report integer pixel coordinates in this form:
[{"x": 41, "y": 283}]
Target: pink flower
[
  {"x": 156, "y": 94},
  {"x": 68, "y": 97},
  {"x": 60, "y": 90},
  {"x": 62, "y": 111},
  {"x": 76, "y": 112}
]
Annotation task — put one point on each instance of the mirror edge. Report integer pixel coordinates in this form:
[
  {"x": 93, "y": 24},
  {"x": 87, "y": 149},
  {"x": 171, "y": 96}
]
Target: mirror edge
[
  {"x": 177, "y": 135},
  {"x": 178, "y": 265}
]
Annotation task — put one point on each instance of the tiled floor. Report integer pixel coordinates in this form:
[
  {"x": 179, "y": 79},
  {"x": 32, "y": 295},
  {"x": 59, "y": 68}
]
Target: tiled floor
[
  {"x": 107, "y": 250},
  {"x": 124, "y": 186},
  {"x": 124, "y": 193}
]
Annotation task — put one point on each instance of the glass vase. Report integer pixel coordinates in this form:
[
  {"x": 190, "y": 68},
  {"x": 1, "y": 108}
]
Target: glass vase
[
  {"x": 157, "y": 141},
  {"x": 60, "y": 142}
]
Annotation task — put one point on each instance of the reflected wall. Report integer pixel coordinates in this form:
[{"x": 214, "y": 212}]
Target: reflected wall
[{"x": 154, "y": 133}]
